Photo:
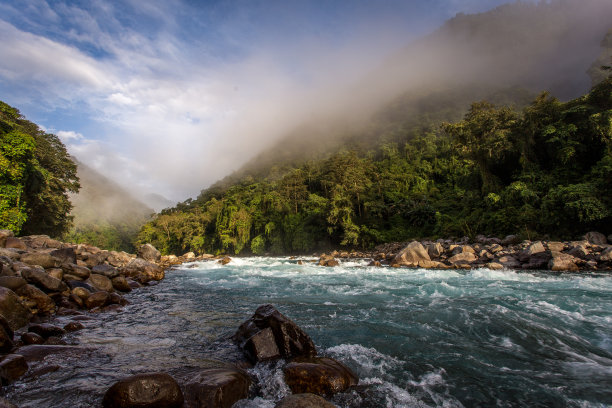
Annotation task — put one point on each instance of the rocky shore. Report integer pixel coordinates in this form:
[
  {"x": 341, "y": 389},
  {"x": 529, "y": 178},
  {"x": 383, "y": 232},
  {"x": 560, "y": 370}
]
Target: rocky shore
[{"x": 592, "y": 253}]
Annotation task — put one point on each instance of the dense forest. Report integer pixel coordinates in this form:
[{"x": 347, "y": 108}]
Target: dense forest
[
  {"x": 36, "y": 177},
  {"x": 545, "y": 169}
]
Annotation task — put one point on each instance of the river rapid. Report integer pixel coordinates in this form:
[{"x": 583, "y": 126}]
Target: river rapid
[{"x": 415, "y": 337}]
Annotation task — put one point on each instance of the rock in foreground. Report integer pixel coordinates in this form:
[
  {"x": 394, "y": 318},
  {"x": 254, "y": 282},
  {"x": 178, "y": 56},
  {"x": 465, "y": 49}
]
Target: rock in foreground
[
  {"x": 217, "y": 388},
  {"x": 318, "y": 375},
  {"x": 154, "y": 390}
]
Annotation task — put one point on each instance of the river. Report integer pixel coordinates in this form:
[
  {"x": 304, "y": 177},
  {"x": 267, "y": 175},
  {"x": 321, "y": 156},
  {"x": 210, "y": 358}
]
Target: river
[{"x": 416, "y": 338}]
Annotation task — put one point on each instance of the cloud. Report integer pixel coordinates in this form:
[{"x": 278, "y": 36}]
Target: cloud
[{"x": 69, "y": 136}]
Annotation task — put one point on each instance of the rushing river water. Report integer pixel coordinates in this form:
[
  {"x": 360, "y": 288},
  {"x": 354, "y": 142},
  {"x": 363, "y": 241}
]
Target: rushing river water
[{"x": 416, "y": 338}]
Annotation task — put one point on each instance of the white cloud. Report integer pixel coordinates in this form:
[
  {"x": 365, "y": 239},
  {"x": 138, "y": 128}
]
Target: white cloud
[{"x": 69, "y": 136}]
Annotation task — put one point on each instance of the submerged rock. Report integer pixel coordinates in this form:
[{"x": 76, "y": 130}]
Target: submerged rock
[
  {"x": 304, "y": 401},
  {"x": 153, "y": 390},
  {"x": 318, "y": 375},
  {"x": 216, "y": 388}
]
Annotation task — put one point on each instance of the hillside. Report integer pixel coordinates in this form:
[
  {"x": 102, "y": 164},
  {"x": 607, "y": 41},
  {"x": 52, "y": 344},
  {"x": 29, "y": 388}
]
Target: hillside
[{"x": 105, "y": 214}]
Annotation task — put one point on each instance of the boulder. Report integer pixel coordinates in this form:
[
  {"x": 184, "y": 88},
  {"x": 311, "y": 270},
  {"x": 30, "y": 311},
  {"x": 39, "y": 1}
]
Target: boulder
[
  {"x": 435, "y": 250},
  {"x": 555, "y": 246},
  {"x": 120, "y": 283},
  {"x": 94, "y": 259},
  {"x": 411, "y": 255},
  {"x": 304, "y": 401},
  {"x": 461, "y": 249},
  {"x": 56, "y": 273},
  {"x": 43, "y": 280},
  {"x": 65, "y": 255},
  {"x": 495, "y": 248},
  {"x": 290, "y": 339},
  {"x": 4, "y": 234},
  {"x": 579, "y": 251},
  {"x": 46, "y": 330},
  {"x": 42, "y": 259},
  {"x": 562, "y": 262},
  {"x": 606, "y": 255},
  {"x": 6, "y": 340},
  {"x": 431, "y": 265},
  {"x": 97, "y": 299},
  {"x": 32, "y": 338},
  {"x": 81, "y": 272},
  {"x": 100, "y": 282},
  {"x": 318, "y": 375},
  {"x": 16, "y": 243},
  {"x": 12, "y": 282},
  {"x": 4, "y": 325},
  {"x": 462, "y": 258},
  {"x": 12, "y": 367},
  {"x": 154, "y": 390},
  {"x": 328, "y": 260},
  {"x": 534, "y": 248},
  {"x": 494, "y": 266},
  {"x": 509, "y": 262},
  {"x": 106, "y": 270},
  {"x": 42, "y": 241},
  {"x": 149, "y": 253},
  {"x": 118, "y": 259},
  {"x": 143, "y": 271},
  {"x": 79, "y": 284},
  {"x": 511, "y": 240},
  {"x": 73, "y": 326},
  {"x": 10, "y": 253},
  {"x": 262, "y": 346},
  {"x": 225, "y": 260},
  {"x": 44, "y": 304},
  {"x": 596, "y": 238},
  {"x": 12, "y": 309},
  {"x": 216, "y": 388}
]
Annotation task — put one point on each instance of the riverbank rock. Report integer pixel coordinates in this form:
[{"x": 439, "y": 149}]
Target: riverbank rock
[
  {"x": 100, "y": 282},
  {"x": 149, "y": 253},
  {"x": 411, "y": 255},
  {"x": 6, "y": 340},
  {"x": 562, "y": 262},
  {"x": 97, "y": 299},
  {"x": 42, "y": 259},
  {"x": 38, "y": 299},
  {"x": 304, "y": 401},
  {"x": 142, "y": 271},
  {"x": 290, "y": 340},
  {"x": 596, "y": 238},
  {"x": 318, "y": 375},
  {"x": 13, "y": 310},
  {"x": 12, "y": 282},
  {"x": 43, "y": 280},
  {"x": 225, "y": 260},
  {"x": 4, "y": 234},
  {"x": 153, "y": 390},
  {"x": 328, "y": 260},
  {"x": 46, "y": 330},
  {"x": 220, "y": 387}
]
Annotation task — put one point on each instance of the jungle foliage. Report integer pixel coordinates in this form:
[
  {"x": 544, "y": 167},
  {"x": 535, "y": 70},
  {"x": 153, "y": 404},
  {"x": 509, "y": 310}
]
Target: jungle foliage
[
  {"x": 36, "y": 176},
  {"x": 545, "y": 169}
]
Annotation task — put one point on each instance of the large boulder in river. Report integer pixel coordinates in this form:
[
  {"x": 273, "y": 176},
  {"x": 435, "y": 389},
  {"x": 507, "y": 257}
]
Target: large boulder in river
[
  {"x": 143, "y": 271},
  {"x": 562, "y": 262},
  {"x": 411, "y": 255},
  {"x": 12, "y": 309},
  {"x": 149, "y": 253},
  {"x": 216, "y": 388},
  {"x": 288, "y": 337},
  {"x": 154, "y": 390},
  {"x": 305, "y": 400},
  {"x": 318, "y": 375}
]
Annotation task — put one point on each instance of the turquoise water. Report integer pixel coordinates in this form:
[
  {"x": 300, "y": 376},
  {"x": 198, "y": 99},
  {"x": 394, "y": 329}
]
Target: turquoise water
[{"x": 415, "y": 337}]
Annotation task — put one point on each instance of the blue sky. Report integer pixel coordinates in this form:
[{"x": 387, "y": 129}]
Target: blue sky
[{"x": 169, "y": 96}]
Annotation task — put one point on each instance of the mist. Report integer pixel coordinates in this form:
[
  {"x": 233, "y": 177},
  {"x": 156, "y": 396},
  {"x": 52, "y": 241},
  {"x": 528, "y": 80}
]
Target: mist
[{"x": 171, "y": 114}]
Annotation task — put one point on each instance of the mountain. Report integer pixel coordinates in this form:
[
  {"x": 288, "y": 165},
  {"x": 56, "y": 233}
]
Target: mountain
[{"x": 105, "y": 214}]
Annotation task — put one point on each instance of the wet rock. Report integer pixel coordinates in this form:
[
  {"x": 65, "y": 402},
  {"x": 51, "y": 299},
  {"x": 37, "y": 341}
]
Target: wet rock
[
  {"x": 46, "y": 330},
  {"x": 42, "y": 259},
  {"x": 117, "y": 299},
  {"x": 509, "y": 262},
  {"x": 220, "y": 387},
  {"x": 81, "y": 272},
  {"x": 431, "y": 265},
  {"x": 97, "y": 299},
  {"x": 596, "y": 238},
  {"x": 375, "y": 263},
  {"x": 290, "y": 339},
  {"x": 12, "y": 309},
  {"x": 12, "y": 282},
  {"x": 105, "y": 270},
  {"x": 4, "y": 403},
  {"x": 43, "y": 280},
  {"x": 435, "y": 250},
  {"x": 411, "y": 255},
  {"x": 328, "y": 260},
  {"x": 120, "y": 283},
  {"x": 44, "y": 304},
  {"x": 494, "y": 266},
  {"x": 562, "y": 262},
  {"x": 15, "y": 243},
  {"x": 579, "y": 251},
  {"x": 262, "y": 346},
  {"x": 304, "y": 401},
  {"x": 143, "y": 271},
  {"x": 79, "y": 284},
  {"x": 533, "y": 249},
  {"x": 65, "y": 255},
  {"x": 100, "y": 282},
  {"x": 55, "y": 341},
  {"x": 32, "y": 338},
  {"x": 189, "y": 255},
  {"x": 606, "y": 255},
  {"x": 225, "y": 260},
  {"x": 12, "y": 367},
  {"x": 38, "y": 352},
  {"x": 6, "y": 340},
  {"x": 77, "y": 300},
  {"x": 73, "y": 326},
  {"x": 56, "y": 273},
  {"x": 318, "y": 375},
  {"x": 4, "y": 325},
  {"x": 154, "y": 390}
]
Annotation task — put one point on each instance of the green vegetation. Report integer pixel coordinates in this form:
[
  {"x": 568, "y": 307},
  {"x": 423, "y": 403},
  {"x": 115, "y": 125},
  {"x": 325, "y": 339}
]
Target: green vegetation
[
  {"x": 542, "y": 170},
  {"x": 36, "y": 175}
]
